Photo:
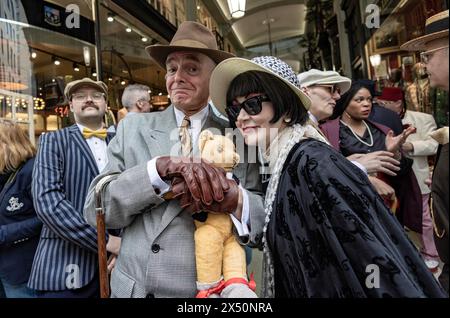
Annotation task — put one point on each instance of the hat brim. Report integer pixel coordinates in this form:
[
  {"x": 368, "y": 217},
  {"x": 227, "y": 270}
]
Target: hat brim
[
  {"x": 228, "y": 70},
  {"x": 160, "y": 52},
  {"x": 88, "y": 84},
  {"x": 342, "y": 82},
  {"x": 419, "y": 44}
]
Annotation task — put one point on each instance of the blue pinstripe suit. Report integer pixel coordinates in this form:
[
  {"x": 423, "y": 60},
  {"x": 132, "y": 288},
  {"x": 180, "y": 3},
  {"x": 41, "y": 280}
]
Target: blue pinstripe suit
[{"x": 66, "y": 257}]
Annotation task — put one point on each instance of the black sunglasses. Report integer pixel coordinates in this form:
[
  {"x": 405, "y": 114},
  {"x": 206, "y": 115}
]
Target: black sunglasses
[{"x": 252, "y": 106}]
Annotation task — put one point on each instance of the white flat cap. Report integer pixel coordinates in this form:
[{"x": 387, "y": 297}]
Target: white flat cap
[{"x": 316, "y": 77}]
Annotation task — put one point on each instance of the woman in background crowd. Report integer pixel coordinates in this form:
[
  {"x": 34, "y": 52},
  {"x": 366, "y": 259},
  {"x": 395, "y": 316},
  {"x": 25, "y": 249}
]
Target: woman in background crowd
[
  {"x": 351, "y": 132},
  {"x": 19, "y": 226}
]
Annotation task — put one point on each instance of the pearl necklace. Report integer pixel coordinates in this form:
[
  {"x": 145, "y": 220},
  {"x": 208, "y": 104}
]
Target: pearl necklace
[{"x": 356, "y": 135}]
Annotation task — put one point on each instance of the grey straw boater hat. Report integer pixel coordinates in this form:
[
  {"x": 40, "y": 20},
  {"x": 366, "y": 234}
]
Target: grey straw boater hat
[
  {"x": 226, "y": 71},
  {"x": 436, "y": 27},
  {"x": 190, "y": 36},
  {"x": 71, "y": 87},
  {"x": 316, "y": 77}
]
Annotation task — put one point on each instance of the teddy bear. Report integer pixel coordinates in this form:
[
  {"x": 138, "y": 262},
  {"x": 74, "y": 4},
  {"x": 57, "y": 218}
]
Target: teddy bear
[{"x": 220, "y": 259}]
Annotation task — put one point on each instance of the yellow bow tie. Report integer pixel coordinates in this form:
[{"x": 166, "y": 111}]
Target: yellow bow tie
[{"x": 101, "y": 133}]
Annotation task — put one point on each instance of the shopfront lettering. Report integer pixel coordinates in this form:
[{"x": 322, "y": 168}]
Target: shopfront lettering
[
  {"x": 52, "y": 16},
  {"x": 62, "y": 111}
]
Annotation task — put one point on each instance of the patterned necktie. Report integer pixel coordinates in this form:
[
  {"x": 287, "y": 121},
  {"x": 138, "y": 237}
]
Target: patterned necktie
[
  {"x": 101, "y": 133},
  {"x": 185, "y": 137}
]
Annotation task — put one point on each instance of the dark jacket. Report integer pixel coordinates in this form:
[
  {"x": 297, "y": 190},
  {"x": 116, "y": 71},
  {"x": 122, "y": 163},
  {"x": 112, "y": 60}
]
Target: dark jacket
[
  {"x": 405, "y": 185},
  {"x": 64, "y": 169},
  {"x": 387, "y": 118},
  {"x": 19, "y": 227},
  {"x": 329, "y": 230},
  {"x": 440, "y": 194}
]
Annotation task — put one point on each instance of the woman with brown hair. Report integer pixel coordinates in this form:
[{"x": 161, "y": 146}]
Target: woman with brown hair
[{"x": 19, "y": 226}]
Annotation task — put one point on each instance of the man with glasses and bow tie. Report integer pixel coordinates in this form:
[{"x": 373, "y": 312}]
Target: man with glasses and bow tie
[{"x": 65, "y": 264}]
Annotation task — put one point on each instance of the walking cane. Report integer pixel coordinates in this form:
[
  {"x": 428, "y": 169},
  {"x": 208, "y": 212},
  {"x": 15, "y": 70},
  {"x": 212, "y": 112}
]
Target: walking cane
[{"x": 101, "y": 237}]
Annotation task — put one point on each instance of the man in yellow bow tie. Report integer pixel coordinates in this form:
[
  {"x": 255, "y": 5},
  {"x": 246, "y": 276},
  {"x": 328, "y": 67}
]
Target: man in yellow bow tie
[
  {"x": 65, "y": 166},
  {"x": 101, "y": 133}
]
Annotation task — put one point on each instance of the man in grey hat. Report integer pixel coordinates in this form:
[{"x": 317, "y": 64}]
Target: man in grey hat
[
  {"x": 324, "y": 88},
  {"x": 157, "y": 257},
  {"x": 65, "y": 264},
  {"x": 434, "y": 45}
]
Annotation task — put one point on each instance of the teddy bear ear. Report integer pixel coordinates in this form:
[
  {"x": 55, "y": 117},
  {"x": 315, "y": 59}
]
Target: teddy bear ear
[{"x": 203, "y": 138}]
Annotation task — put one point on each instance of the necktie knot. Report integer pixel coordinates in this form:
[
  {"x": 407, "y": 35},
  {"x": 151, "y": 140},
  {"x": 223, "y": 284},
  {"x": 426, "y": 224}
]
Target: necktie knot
[
  {"x": 88, "y": 133},
  {"x": 185, "y": 137},
  {"x": 186, "y": 123}
]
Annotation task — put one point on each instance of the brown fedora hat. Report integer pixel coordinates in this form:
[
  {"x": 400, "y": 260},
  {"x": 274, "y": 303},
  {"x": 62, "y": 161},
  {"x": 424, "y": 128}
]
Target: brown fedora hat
[
  {"x": 190, "y": 36},
  {"x": 436, "y": 27}
]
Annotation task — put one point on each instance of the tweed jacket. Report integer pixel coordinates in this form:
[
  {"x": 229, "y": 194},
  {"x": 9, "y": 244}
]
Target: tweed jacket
[{"x": 157, "y": 257}]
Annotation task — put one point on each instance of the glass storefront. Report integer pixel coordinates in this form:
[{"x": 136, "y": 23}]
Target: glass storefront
[
  {"x": 46, "y": 44},
  {"x": 124, "y": 59}
]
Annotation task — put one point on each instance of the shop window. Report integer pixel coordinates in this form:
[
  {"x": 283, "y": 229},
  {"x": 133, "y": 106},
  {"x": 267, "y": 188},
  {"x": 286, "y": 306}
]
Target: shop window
[
  {"x": 25, "y": 79},
  {"x": 124, "y": 58}
]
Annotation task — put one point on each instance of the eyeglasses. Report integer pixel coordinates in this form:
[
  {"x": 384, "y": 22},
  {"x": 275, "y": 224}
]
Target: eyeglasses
[
  {"x": 82, "y": 97},
  {"x": 332, "y": 88},
  {"x": 252, "y": 106},
  {"x": 426, "y": 56}
]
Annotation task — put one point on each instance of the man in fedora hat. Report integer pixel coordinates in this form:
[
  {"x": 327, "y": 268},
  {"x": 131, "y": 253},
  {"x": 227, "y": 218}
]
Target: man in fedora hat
[
  {"x": 434, "y": 46},
  {"x": 65, "y": 264},
  {"x": 157, "y": 257}
]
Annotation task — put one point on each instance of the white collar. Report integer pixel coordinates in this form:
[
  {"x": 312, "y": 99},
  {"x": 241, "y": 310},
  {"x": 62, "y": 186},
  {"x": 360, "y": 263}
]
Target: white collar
[
  {"x": 81, "y": 127},
  {"x": 313, "y": 118},
  {"x": 199, "y": 117}
]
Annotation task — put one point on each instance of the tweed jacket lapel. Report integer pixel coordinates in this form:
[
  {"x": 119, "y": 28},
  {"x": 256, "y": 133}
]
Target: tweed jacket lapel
[
  {"x": 163, "y": 140},
  {"x": 81, "y": 143}
]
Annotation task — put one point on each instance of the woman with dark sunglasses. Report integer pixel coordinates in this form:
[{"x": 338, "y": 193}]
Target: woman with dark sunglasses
[{"x": 327, "y": 232}]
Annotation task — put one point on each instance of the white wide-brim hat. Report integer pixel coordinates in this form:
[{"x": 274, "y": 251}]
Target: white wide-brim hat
[{"x": 229, "y": 69}]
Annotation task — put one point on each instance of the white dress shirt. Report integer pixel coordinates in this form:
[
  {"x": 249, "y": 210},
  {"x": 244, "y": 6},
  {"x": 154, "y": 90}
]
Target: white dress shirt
[
  {"x": 197, "y": 122},
  {"x": 98, "y": 148}
]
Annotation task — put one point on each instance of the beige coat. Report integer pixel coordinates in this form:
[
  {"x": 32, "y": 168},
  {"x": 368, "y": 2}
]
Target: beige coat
[{"x": 424, "y": 145}]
